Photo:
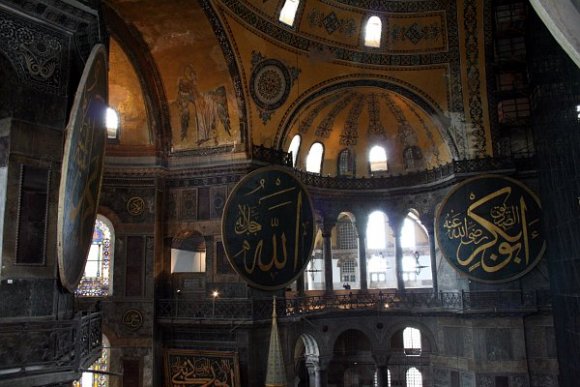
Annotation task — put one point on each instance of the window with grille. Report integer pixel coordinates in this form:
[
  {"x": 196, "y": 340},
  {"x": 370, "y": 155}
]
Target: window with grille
[
  {"x": 346, "y": 235},
  {"x": 345, "y": 163},
  {"x": 348, "y": 271},
  {"x": 414, "y": 377}
]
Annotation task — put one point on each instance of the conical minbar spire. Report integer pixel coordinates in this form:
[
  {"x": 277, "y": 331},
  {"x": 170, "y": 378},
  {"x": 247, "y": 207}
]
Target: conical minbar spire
[{"x": 276, "y": 375}]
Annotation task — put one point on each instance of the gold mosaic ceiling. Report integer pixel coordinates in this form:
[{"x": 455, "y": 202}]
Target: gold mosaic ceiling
[{"x": 262, "y": 81}]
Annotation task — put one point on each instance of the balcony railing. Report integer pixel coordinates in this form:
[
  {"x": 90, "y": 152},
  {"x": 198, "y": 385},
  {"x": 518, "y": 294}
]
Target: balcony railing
[
  {"x": 261, "y": 309},
  {"x": 35, "y": 348},
  {"x": 455, "y": 167}
]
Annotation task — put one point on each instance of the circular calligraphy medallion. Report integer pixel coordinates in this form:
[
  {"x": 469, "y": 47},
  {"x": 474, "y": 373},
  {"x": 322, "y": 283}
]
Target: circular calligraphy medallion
[
  {"x": 268, "y": 228},
  {"x": 82, "y": 170},
  {"x": 133, "y": 319},
  {"x": 490, "y": 229},
  {"x": 135, "y": 206},
  {"x": 270, "y": 84}
]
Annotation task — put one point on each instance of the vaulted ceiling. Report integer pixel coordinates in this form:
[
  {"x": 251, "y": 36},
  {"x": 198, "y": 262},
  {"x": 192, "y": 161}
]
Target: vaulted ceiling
[{"x": 190, "y": 75}]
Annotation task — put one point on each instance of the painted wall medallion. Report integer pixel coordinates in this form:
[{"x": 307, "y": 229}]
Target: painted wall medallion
[
  {"x": 135, "y": 206},
  {"x": 133, "y": 319},
  {"x": 490, "y": 229},
  {"x": 82, "y": 169},
  {"x": 270, "y": 83},
  {"x": 268, "y": 228}
]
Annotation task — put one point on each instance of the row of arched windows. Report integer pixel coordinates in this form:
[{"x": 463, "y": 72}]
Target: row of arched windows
[
  {"x": 372, "y": 30},
  {"x": 380, "y": 255},
  {"x": 377, "y": 158}
]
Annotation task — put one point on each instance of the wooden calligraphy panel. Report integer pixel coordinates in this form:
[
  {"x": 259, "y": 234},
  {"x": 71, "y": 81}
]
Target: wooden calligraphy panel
[
  {"x": 490, "y": 229},
  {"x": 268, "y": 228},
  {"x": 184, "y": 368},
  {"x": 82, "y": 169}
]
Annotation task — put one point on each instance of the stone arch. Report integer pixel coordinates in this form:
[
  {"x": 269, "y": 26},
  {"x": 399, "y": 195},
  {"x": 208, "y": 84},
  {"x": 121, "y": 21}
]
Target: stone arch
[
  {"x": 352, "y": 359},
  {"x": 307, "y": 361},
  {"x": 137, "y": 50}
]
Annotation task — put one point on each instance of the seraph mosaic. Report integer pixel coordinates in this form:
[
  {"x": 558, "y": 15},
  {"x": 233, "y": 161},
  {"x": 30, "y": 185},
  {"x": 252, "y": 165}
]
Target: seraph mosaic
[
  {"x": 202, "y": 114},
  {"x": 490, "y": 229}
]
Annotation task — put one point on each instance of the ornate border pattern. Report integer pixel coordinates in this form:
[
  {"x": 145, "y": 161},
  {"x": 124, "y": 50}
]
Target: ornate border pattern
[
  {"x": 38, "y": 54},
  {"x": 477, "y": 142}
]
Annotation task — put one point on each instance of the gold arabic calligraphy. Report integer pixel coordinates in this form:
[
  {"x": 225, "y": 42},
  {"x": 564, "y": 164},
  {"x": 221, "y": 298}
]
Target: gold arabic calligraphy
[
  {"x": 493, "y": 233},
  {"x": 203, "y": 372},
  {"x": 252, "y": 220}
]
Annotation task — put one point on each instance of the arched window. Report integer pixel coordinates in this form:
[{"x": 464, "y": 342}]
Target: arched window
[
  {"x": 314, "y": 158},
  {"x": 346, "y": 238},
  {"x": 92, "y": 379},
  {"x": 294, "y": 147},
  {"x": 188, "y": 255},
  {"x": 414, "y": 377},
  {"x": 416, "y": 262},
  {"x": 96, "y": 280},
  {"x": 373, "y": 31},
  {"x": 288, "y": 12},
  {"x": 412, "y": 341},
  {"x": 345, "y": 163},
  {"x": 376, "y": 232},
  {"x": 376, "y": 378},
  {"x": 377, "y": 159},
  {"x": 112, "y": 123}
]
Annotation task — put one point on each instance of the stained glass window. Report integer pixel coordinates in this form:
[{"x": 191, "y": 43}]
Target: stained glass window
[
  {"x": 96, "y": 278},
  {"x": 414, "y": 378},
  {"x": 92, "y": 379}
]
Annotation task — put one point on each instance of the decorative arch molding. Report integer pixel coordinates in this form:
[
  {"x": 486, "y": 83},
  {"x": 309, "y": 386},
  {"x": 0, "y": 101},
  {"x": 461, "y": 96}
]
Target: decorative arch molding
[
  {"x": 134, "y": 46},
  {"x": 402, "y": 88},
  {"x": 231, "y": 55}
]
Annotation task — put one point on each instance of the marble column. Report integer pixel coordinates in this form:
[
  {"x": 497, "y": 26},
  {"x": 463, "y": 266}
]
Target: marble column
[
  {"x": 361, "y": 226},
  {"x": 399, "y": 255},
  {"x": 327, "y": 253},
  {"x": 431, "y": 232}
]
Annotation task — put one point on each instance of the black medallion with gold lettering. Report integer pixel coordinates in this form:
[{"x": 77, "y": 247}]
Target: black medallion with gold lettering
[
  {"x": 490, "y": 229},
  {"x": 268, "y": 228},
  {"x": 82, "y": 169}
]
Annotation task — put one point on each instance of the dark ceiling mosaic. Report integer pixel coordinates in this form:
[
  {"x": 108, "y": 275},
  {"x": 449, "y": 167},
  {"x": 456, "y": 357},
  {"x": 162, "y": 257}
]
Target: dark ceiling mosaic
[
  {"x": 390, "y": 5},
  {"x": 39, "y": 54},
  {"x": 332, "y": 23}
]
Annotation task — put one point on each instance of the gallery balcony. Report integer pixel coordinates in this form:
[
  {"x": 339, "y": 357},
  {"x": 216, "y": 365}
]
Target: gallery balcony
[
  {"x": 40, "y": 352},
  {"x": 178, "y": 310}
]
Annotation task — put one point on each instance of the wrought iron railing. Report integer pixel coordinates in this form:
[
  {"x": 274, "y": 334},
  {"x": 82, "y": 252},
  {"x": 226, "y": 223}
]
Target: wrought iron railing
[
  {"x": 261, "y": 309},
  {"x": 455, "y": 167},
  {"x": 34, "y": 348}
]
